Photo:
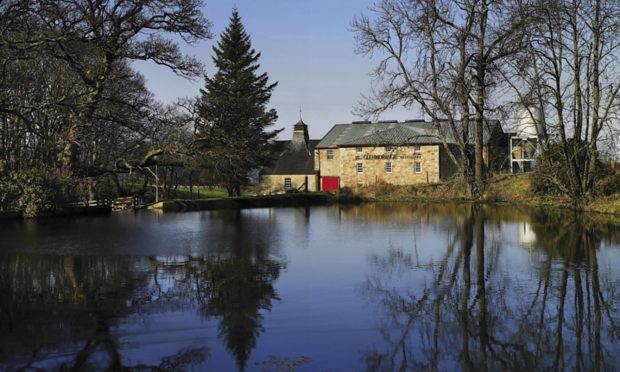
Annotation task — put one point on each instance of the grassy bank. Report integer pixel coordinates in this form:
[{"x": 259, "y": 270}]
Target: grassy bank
[
  {"x": 501, "y": 188},
  {"x": 506, "y": 189},
  {"x": 182, "y": 192},
  {"x": 607, "y": 204},
  {"x": 512, "y": 189},
  {"x": 517, "y": 189}
]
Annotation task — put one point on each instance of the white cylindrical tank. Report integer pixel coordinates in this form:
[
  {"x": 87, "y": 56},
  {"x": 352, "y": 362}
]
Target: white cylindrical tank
[{"x": 529, "y": 120}]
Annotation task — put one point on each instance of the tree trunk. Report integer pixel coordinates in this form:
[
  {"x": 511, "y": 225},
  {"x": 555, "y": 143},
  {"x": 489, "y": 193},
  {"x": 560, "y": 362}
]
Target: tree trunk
[
  {"x": 481, "y": 289},
  {"x": 592, "y": 153},
  {"x": 91, "y": 183},
  {"x": 479, "y": 171},
  {"x": 69, "y": 152}
]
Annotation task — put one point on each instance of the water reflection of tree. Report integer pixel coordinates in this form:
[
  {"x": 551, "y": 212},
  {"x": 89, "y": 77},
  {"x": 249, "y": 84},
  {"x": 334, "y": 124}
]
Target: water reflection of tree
[
  {"x": 586, "y": 301},
  {"x": 234, "y": 284},
  {"x": 468, "y": 315},
  {"x": 69, "y": 304},
  {"x": 72, "y": 304},
  {"x": 237, "y": 283},
  {"x": 237, "y": 290},
  {"x": 233, "y": 288}
]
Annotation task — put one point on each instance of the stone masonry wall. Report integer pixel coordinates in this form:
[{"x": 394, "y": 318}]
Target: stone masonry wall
[
  {"x": 328, "y": 168},
  {"x": 374, "y": 159},
  {"x": 275, "y": 182}
]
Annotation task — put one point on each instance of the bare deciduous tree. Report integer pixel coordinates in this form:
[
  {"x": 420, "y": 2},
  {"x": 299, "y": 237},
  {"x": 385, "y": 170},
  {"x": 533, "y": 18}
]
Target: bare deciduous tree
[
  {"x": 570, "y": 70},
  {"x": 70, "y": 101},
  {"x": 93, "y": 37},
  {"x": 443, "y": 56}
]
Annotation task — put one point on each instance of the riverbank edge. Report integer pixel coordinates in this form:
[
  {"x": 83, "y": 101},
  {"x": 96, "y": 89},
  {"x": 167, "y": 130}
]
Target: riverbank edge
[
  {"x": 314, "y": 199},
  {"x": 505, "y": 190},
  {"x": 265, "y": 201},
  {"x": 85, "y": 211},
  {"x": 502, "y": 190}
]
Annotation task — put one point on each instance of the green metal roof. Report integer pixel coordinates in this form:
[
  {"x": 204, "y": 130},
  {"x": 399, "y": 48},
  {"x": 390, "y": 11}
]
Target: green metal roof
[
  {"x": 391, "y": 133},
  {"x": 400, "y": 135},
  {"x": 342, "y": 133}
]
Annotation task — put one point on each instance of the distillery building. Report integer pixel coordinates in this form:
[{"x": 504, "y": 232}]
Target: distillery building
[
  {"x": 399, "y": 153},
  {"x": 363, "y": 153}
]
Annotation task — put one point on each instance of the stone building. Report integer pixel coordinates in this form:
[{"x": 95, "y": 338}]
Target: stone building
[
  {"x": 294, "y": 169},
  {"x": 407, "y": 153}
]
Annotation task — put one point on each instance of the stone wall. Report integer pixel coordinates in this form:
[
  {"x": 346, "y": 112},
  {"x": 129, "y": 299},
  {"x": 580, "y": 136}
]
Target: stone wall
[
  {"x": 402, "y": 159},
  {"x": 328, "y": 168},
  {"x": 275, "y": 182}
]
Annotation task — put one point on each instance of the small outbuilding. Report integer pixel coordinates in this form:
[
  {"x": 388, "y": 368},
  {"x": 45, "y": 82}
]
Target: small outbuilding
[{"x": 294, "y": 169}]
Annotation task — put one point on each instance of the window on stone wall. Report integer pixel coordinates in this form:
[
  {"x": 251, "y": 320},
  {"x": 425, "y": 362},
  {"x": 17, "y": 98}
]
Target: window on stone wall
[
  {"x": 417, "y": 167},
  {"x": 388, "y": 167},
  {"x": 330, "y": 154},
  {"x": 417, "y": 147},
  {"x": 358, "y": 149},
  {"x": 288, "y": 184},
  {"x": 360, "y": 167}
]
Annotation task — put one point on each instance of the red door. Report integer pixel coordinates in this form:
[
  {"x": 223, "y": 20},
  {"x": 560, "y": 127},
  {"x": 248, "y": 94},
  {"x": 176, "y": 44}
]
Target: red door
[{"x": 330, "y": 183}]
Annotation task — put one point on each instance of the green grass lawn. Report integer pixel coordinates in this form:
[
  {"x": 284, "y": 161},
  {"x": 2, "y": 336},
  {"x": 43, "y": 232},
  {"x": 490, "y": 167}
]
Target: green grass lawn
[
  {"x": 201, "y": 192},
  {"x": 198, "y": 192}
]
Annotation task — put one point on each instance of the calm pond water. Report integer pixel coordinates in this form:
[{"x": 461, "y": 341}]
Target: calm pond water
[{"x": 338, "y": 288}]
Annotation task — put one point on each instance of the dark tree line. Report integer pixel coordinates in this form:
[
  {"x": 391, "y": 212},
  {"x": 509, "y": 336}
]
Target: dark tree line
[
  {"x": 78, "y": 123},
  {"x": 72, "y": 107},
  {"x": 68, "y": 77}
]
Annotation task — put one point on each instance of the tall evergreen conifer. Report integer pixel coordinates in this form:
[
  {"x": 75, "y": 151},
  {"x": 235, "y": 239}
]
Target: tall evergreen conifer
[{"x": 233, "y": 111}]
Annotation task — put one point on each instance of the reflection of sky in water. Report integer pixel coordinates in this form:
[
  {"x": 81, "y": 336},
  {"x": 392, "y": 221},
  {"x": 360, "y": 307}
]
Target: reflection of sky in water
[{"x": 330, "y": 257}]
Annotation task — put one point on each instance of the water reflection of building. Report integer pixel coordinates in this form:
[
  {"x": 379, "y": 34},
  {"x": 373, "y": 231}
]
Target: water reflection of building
[
  {"x": 436, "y": 216},
  {"x": 526, "y": 234}
]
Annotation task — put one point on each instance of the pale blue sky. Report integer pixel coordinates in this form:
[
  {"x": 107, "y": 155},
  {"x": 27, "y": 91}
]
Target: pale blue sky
[{"x": 306, "y": 46}]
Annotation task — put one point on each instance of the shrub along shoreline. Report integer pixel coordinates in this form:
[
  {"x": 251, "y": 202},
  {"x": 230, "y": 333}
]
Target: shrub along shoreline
[{"x": 504, "y": 189}]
